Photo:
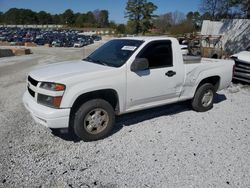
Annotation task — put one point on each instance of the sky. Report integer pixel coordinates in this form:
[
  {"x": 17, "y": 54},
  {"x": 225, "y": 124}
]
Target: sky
[{"x": 116, "y": 8}]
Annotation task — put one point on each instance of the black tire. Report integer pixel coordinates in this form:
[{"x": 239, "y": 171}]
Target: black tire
[
  {"x": 81, "y": 124},
  {"x": 215, "y": 56},
  {"x": 198, "y": 102}
]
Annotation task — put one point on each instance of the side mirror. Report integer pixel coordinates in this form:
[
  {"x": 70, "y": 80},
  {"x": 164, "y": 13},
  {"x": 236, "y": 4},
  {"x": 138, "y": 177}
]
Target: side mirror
[{"x": 139, "y": 64}]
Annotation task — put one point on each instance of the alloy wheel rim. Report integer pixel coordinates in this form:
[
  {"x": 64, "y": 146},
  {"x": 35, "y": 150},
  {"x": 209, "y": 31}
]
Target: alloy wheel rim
[
  {"x": 96, "y": 121},
  {"x": 207, "y": 98}
]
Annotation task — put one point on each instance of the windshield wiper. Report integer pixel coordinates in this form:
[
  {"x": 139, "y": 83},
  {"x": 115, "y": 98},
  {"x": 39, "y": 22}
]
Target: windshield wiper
[
  {"x": 89, "y": 59},
  {"x": 101, "y": 62},
  {"x": 98, "y": 61}
]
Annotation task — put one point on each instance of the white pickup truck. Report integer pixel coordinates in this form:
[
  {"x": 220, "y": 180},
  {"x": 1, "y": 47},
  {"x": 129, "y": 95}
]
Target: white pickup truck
[{"x": 123, "y": 75}]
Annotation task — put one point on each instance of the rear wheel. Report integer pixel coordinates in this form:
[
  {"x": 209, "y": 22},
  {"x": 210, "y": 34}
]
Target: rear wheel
[
  {"x": 94, "y": 120},
  {"x": 204, "y": 98}
]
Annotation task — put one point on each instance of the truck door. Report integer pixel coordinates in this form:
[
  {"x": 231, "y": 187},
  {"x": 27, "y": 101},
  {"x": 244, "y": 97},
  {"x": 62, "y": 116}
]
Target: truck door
[{"x": 159, "y": 82}]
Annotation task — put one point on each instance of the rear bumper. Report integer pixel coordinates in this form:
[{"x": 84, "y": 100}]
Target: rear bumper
[{"x": 49, "y": 117}]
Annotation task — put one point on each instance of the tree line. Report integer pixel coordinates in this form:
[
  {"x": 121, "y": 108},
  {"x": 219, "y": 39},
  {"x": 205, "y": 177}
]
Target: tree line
[
  {"x": 140, "y": 15},
  {"x": 225, "y": 9},
  {"x": 96, "y": 18}
]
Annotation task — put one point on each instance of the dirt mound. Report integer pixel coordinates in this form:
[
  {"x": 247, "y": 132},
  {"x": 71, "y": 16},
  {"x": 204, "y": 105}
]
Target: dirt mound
[{"x": 14, "y": 52}]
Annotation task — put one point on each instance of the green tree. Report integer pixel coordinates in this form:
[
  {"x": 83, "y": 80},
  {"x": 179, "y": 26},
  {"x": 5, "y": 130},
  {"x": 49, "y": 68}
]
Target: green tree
[
  {"x": 1, "y": 17},
  {"x": 176, "y": 23},
  {"x": 98, "y": 18},
  {"x": 12, "y": 16},
  {"x": 103, "y": 20},
  {"x": 163, "y": 22},
  {"x": 194, "y": 18},
  {"x": 206, "y": 16},
  {"x": 147, "y": 21},
  {"x": 247, "y": 8},
  {"x": 28, "y": 16},
  {"x": 131, "y": 27},
  {"x": 140, "y": 15},
  {"x": 112, "y": 25},
  {"x": 44, "y": 18},
  {"x": 90, "y": 19},
  {"x": 121, "y": 29},
  {"x": 56, "y": 19},
  {"x": 101, "y": 17},
  {"x": 81, "y": 20},
  {"x": 68, "y": 17}
]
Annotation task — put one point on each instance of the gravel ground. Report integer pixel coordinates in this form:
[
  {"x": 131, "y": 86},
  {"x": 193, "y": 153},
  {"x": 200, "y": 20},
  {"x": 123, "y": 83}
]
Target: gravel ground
[{"x": 170, "y": 146}]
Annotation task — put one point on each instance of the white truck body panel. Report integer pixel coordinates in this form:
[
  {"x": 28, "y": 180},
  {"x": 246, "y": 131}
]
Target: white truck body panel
[{"x": 243, "y": 56}]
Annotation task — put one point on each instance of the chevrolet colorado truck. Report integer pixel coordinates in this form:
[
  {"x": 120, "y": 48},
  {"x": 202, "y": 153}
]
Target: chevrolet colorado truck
[{"x": 123, "y": 75}]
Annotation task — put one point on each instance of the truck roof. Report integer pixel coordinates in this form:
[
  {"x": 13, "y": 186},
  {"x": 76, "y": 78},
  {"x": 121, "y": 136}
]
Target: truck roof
[{"x": 149, "y": 38}]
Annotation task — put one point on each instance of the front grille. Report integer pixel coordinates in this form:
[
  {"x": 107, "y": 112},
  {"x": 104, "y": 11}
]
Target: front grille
[
  {"x": 32, "y": 93},
  {"x": 32, "y": 81},
  {"x": 242, "y": 65},
  {"x": 242, "y": 70}
]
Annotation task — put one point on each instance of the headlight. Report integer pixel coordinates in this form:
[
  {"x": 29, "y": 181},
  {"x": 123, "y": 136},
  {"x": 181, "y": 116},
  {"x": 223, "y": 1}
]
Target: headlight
[
  {"x": 50, "y": 101},
  {"x": 52, "y": 86}
]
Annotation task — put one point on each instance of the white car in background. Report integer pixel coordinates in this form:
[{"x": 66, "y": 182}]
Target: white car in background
[
  {"x": 242, "y": 65},
  {"x": 184, "y": 49},
  {"x": 80, "y": 43}
]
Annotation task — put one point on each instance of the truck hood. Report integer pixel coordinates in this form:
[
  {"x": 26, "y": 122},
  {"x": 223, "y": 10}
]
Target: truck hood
[
  {"x": 61, "y": 71},
  {"x": 243, "y": 56}
]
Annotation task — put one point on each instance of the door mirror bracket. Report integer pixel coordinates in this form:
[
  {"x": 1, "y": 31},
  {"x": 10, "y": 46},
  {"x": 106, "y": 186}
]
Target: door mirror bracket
[{"x": 139, "y": 64}]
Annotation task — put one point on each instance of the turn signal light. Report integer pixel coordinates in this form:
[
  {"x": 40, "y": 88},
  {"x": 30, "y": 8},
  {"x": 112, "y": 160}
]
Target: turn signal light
[{"x": 60, "y": 87}]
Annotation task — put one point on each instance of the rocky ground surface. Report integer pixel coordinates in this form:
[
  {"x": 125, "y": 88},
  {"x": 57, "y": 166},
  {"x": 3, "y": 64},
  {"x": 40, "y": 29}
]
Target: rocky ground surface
[{"x": 170, "y": 146}]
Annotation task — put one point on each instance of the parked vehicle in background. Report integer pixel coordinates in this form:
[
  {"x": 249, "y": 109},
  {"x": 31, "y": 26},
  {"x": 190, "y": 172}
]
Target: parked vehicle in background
[
  {"x": 184, "y": 49},
  {"x": 124, "y": 75},
  {"x": 68, "y": 43},
  {"x": 96, "y": 37},
  {"x": 39, "y": 41},
  {"x": 57, "y": 43},
  {"x": 242, "y": 66},
  {"x": 89, "y": 39},
  {"x": 81, "y": 42},
  {"x": 211, "y": 47},
  {"x": 190, "y": 45},
  {"x": 59, "y": 37}
]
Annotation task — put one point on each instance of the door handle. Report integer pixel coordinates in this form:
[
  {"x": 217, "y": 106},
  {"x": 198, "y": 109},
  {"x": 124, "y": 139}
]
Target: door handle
[{"x": 170, "y": 73}]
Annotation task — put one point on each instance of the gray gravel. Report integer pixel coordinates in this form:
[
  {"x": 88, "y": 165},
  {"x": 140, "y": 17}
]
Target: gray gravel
[{"x": 170, "y": 146}]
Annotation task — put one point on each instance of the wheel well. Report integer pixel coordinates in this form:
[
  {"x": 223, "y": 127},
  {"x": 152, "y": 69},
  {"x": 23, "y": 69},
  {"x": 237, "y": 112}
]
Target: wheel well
[
  {"x": 108, "y": 95},
  {"x": 214, "y": 80}
]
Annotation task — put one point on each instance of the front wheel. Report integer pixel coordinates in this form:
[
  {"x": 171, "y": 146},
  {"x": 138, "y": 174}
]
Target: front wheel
[
  {"x": 204, "y": 98},
  {"x": 94, "y": 120}
]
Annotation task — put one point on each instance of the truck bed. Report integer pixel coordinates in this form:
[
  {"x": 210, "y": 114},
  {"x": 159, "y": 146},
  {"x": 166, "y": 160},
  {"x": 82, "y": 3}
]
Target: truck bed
[
  {"x": 206, "y": 68},
  {"x": 187, "y": 59}
]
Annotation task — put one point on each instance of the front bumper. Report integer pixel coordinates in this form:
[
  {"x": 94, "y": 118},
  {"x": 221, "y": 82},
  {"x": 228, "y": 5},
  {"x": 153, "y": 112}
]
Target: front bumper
[
  {"x": 242, "y": 71},
  {"x": 49, "y": 117}
]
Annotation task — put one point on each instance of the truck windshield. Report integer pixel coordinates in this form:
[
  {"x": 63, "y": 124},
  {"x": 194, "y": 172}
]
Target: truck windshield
[{"x": 115, "y": 52}]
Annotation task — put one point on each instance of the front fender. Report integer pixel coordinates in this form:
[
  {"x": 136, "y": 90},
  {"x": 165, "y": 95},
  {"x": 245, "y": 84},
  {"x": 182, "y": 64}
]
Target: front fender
[{"x": 76, "y": 90}]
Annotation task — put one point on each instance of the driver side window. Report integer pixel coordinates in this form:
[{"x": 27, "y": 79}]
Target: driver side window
[{"x": 158, "y": 54}]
